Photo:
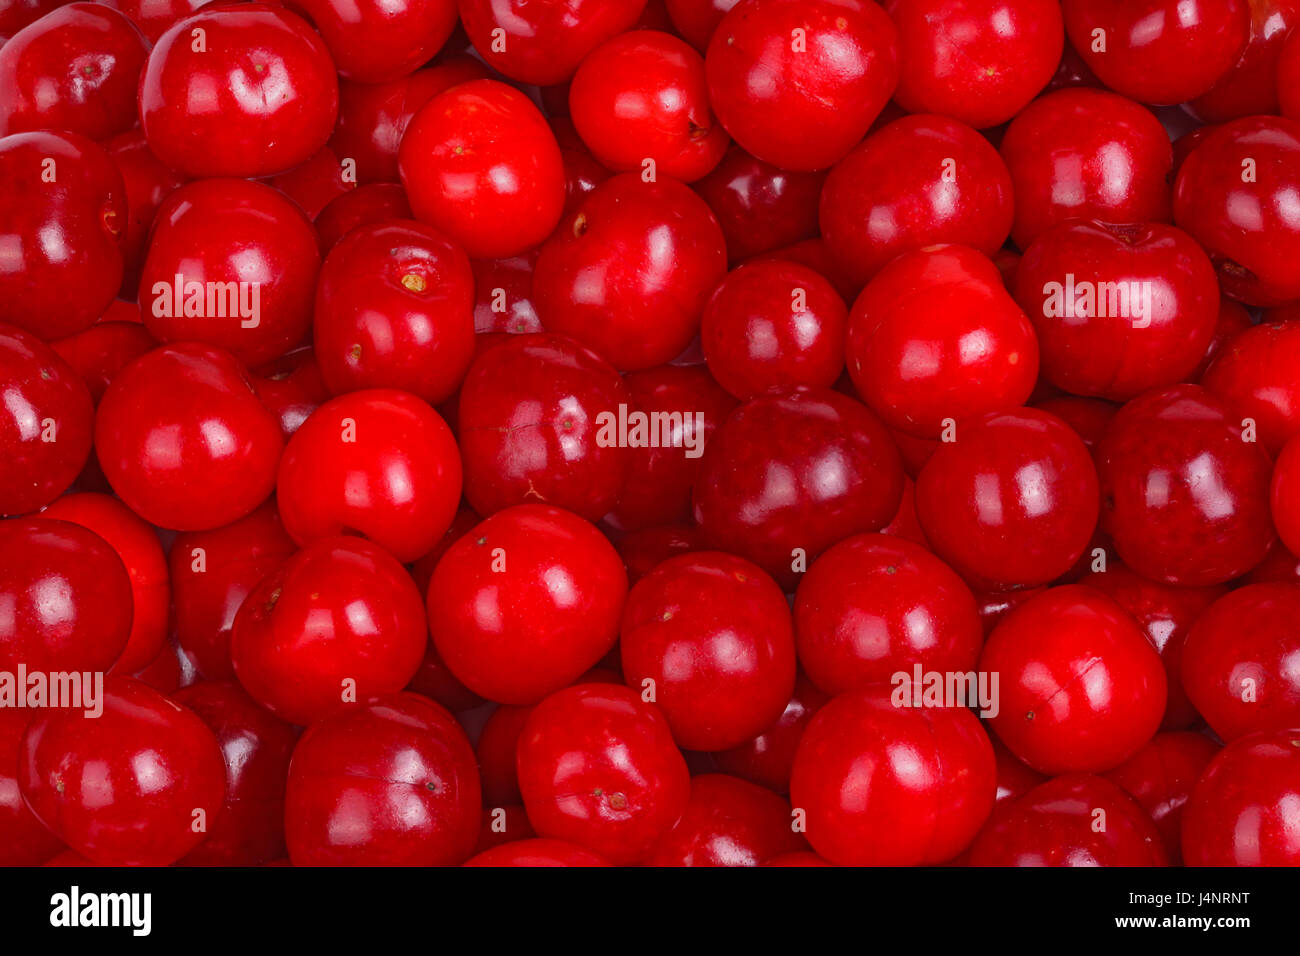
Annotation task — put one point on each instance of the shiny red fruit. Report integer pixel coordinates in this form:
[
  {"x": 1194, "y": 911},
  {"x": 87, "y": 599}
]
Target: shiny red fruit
[
  {"x": 1258, "y": 374},
  {"x": 1086, "y": 154},
  {"x": 883, "y": 785},
  {"x": 379, "y": 463},
  {"x": 183, "y": 439},
  {"x": 537, "y": 852},
  {"x": 24, "y": 841},
  {"x": 792, "y": 472},
  {"x": 1285, "y": 495},
  {"x": 642, "y": 551},
  {"x": 138, "y": 785},
  {"x": 233, "y": 264},
  {"x": 629, "y": 273},
  {"x": 291, "y": 388},
  {"x": 153, "y": 17},
  {"x": 480, "y": 164},
  {"x": 395, "y": 308},
  {"x": 366, "y": 205},
  {"x": 1251, "y": 86},
  {"x": 148, "y": 182},
  {"x": 767, "y": 758},
  {"x": 823, "y": 67},
  {"x": 257, "y": 97},
  {"x": 728, "y": 822},
  {"x": 377, "y": 40},
  {"x": 1160, "y": 776},
  {"x": 391, "y": 782},
  {"x": 1185, "y": 497},
  {"x": 99, "y": 353},
  {"x": 1011, "y": 502},
  {"x": 760, "y": 207},
  {"x": 598, "y": 767}
]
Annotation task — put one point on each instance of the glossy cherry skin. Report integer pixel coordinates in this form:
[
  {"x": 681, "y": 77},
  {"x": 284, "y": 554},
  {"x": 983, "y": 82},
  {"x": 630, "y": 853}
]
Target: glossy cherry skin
[
  {"x": 379, "y": 463},
  {"x": 259, "y": 99},
  {"x": 796, "y": 470},
  {"x": 249, "y": 829},
  {"x": 642, "y": 551},
  {"x": 129, "y": 787},
  {"x": 770, "y": 324},
  {"x": 767, "y": 758},
  {"x": 918, "y": 181},
  {"x": 339, "y": 622},
  {"x": 598, "y": 767},
  {"x": 1288, "y": 80},
  {"x": 1086, "y": 154},
  {"x": 976, "y": 61},
  {"x": 642, "y": 96},
  {"x": 1245, "y": 810},
  {"x": 708, "y": 635},
  {"x": 892, "y": 786},
  {"x": 16, "y": 14},
  {"x": 829, "y": 82},
  {"x": 215, "y": 232},
  {"x": 1158, "y": 51},
  {"x": 395, "y": 308},
  {"x": 390, "y": 782},
  {"x": 370, "y": 204},
  {"x": 935, "y": 337},
  {"x": 760, "y": 207},
  {"x": 1165, "y": 613},
  {"x": 503, "y": 295},
  {"x": 24, "y": 841},
  {"x": 148, "y": 182},
  {"x": 45, "y": 422},
  {"x": 291, "y": 388},
  {"x": 137, "y": 546},
  {"x": 183, "y": 439},
  {"x": 1152, "y": 332},
  {"x": 874, "y": 606},
  {"x": 1184, "y": 497},
  {"x": 1258, "y": 374},
  {"x": 728, "y": 822},
  {"x": 1073, "y": 820},
  {"x": 99, "y": 353},
  {"x": 153, "y": 17},
  {"x": 526, "y": 602},
  {"x": 374, "y": 41},
  {"x": 1239, "y": 661},
  {"x": 61, "y": 239},
  {"x": 1160, "y": 776},
  {"x": 67, "y": 598},
  {"x": 313, "y": 183},
  {"x": 1251, "y": 86},
  {"x": 1233, "y": 195},
  {"x": 1285, "y": 495},
  {"x": 532, "y": 413},
  {"x": 496, "y": 750},
  {"x": 1012, "y": 502},
  {"x": 695, "y": 20},
  {"x": 1082, "y": 689},
  {"x": 536, "y": 852},
  {"x": 75, "y": 69},
  {"x": 543, "y": 43},
  {"x": 480, "y": 164},
  {"x": 629, "y": 272}
]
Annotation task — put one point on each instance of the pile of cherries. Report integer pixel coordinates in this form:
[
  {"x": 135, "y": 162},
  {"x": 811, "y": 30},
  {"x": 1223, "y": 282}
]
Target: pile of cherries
[{"x": 612, "y": 432}]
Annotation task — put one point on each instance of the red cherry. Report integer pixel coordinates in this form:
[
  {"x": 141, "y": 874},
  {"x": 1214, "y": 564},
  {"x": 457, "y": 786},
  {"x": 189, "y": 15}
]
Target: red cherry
[
  {"x": 598, "y": 767},
  {"x": 533, "y": 411},
  {"x": 1160, "y": 776},
  {"x": 1088, "y": 417},
  {"x": 24, "y": 841},
  {"x": 642, "y": 96},
  {"x": 379, "y": 463},
  {"x": 1086, "y": 154},
  {"x": 816, "y": 255},
  {"x": 1071, "y": 820},
  {"x": 1012, "y": 502},
  {"x": 790, "y": 473},
  {"x": 291, "y": 388},
  {"x": 1285, "y": 495},
  {"x": 526, "y": 602},
  {"x": 1185, "y": 497},
  {"x": 1248, "y": 164},
  {"x": 259, "y": 97},
  {"x": 1118, "y": 309},
  {"x": 249, "y": 829},
  {"x": 728, "y": 822},
  {"x": 381, "y": 40},
  {"x": 479, "y": 163},
  {"x": 153, "y": 17},
  {"x": 767, "y": 758},
  {"x": 103, "y": 350},
  {"x": 629, "y": 273},
  {"x": 46, "y": 418},
  {"x": 696, "y": 20},
  {"x": 391, "y": 782},
  {"x": 1158, "y": 51},
  {"x": 16, "y": 14},
  {"x": 977, "y": 61},
  {"x": 1081, "y": 687},
  {"x": 75, "y": 69},
  {"x": 1288, "y": 79},
  {"x": 148, "y": 182},
  {"x": 503, "y": 825},
  {"x": 230, "y": 263},
  {"x": 496, "y": 750},
  {"x": 183, "y": 439},
  {"x": 918, "y": 181},
  {"x": 760, "y": 207},
  {"x": 1258, "y": 374},
  {"x": 503, "y": 295},
  {"x": 315, "y": 181},
  {"x": 1239, "y": 661},
  {"x": 394, "y": 308},
  {"x": 1251, "y": 86},
  {"x": 365, "y": 205},
  {"x": 642, "y": 551},
  {"x": 823, "y": 67},
  {"x": 874, "y": 606},
  {"x": 771, "y": 324},
  {"x": 936, "y": 338},
  {"x": 888, "y": 786},
  {"x": 62, "y": 232},
  {"x": 537, "y": 852},
  {"x": 129, "y": 786},
  {"x": 1245, "y": 810}
]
